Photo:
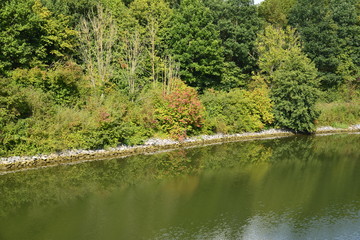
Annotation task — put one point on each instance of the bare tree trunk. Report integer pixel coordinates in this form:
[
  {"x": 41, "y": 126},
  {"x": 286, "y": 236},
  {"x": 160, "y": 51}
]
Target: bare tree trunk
[
  {"x": 171, "y": 72},
  {"x": 153, "y": 32},
  {"x": 97, "y": 36},
  {"x": 133, "y": 56}
]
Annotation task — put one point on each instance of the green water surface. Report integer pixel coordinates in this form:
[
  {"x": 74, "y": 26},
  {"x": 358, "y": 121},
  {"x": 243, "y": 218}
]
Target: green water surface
[{"x": 301, "y": 187}]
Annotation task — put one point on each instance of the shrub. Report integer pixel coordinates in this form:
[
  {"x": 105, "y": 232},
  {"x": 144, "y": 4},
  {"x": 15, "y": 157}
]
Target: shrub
[
  {"x": 105, "y": 122},
  {"x": 13, "y": 136},
  {"x": 237, "y": 110},
  {"x": 61, "y": 82},
  {"x": 179, "y": 113},
  {"x": 13, "y": 104},
  {"x": 295, "y": 92},
  {"x": 117, "y": 121}
]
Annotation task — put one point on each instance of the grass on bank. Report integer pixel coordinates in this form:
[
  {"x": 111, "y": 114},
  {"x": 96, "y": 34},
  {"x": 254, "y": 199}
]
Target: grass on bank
[{"x": 339, "y": 114}]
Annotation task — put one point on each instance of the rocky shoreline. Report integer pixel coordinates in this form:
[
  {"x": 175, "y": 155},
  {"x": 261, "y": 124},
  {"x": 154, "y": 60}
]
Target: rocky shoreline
[{"x": 150, "y": 146}]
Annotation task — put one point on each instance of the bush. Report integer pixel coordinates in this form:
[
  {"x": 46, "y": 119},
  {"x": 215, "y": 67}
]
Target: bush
[
  {"x": 238, "y": 110},
  {"x": 14, "y": 136},
  {"x": 117, "y": 121},
  {"x": 295, "y": 92},
  {"x": 102, "y": 122},
  {"x": 179, "y": 113},
  {"x": 13, "y": 104},
  {"x": 61, "y": 82}
]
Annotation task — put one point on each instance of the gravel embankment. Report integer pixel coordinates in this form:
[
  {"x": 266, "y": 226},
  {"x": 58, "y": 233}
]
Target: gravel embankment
[
  {"x": 332, "y": 129},
  {"x": 150, "y": 146}
]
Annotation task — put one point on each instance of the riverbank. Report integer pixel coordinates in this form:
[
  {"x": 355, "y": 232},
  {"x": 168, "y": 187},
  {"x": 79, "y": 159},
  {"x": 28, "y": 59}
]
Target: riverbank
[{"x": 149, "y": 147}]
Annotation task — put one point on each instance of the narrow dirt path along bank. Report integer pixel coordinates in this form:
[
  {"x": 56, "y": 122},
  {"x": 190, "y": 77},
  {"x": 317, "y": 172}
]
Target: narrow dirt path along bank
[{"x": 150, "y": 146}]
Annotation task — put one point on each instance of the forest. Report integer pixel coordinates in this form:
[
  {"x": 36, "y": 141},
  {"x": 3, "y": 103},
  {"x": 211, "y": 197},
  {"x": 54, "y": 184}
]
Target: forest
[{"x": 93, "y": 74}]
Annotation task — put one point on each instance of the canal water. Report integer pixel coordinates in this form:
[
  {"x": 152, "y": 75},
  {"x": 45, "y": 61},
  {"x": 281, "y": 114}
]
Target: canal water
[{"x": 302, "y": 187}]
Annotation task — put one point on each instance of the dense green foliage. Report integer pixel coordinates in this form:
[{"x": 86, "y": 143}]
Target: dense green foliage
[
  {"x": 195, "y": 43},
  {"x": 93, "y": 74},
  {"x": 13, "y": 104},
  {"x": 292, "y": 77},
  {"x": 295, "y": 92},
  {"x": 238, "y": 24},
  {"x": 330, "y": 31},
  {"x": 32, "y": 36},
  {"x": 276, "y": 11},
  {"x": 237, "y": 110}
]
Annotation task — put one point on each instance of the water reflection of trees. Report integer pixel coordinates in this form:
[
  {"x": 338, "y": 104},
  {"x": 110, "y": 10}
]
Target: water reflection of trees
[{"x": 276, "y": 160}]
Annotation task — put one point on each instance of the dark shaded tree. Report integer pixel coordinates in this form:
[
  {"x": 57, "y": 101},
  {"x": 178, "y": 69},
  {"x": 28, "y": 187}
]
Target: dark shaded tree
[
  {"x": 194, "y": 41},
  {"x": 13, "y": 105},
  {"x": 238, "y": 24},
  {"x": 329, "y": 30}
]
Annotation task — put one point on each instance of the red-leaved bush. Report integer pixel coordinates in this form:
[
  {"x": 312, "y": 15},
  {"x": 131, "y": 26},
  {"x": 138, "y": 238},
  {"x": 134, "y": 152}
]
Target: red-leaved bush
[{"x": 180, "y": 112}]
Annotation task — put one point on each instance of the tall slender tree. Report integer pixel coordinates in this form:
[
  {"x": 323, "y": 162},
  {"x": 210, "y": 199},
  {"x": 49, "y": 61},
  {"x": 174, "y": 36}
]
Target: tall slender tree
[
  {"x": 153, "y": 16},
  {"x": 97, "y": 36}
]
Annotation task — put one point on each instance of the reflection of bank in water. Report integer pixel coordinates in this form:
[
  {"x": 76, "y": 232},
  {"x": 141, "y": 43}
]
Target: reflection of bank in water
[
  {"x": 152, "y": 146},
  {"x": 278, "y": 188}
]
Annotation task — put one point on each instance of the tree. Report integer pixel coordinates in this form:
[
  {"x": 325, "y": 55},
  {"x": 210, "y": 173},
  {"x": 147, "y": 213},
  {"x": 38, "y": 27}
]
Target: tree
[
  {"x": 295, "y": 92},
  {"x": 273, "y": 46},
  {"x": 74, "y": 9},
  {"x": 129, "y": 52},
  {"x": 291, "y": 76},
  {"x": 13, "y": 104},
  {"x": 133, "y": 56},
  {"x": 180, "y": 112},
  {"x": 31, "y": 35},
  {"x": 329, "y": 29},
  {"x": 238, "y": 24},
  {"x": 276, "y": 12},
  {"x": 237, "y": 110},
  {"x": 194, "y": 41},
  {"x": 350, "y": 73},
  {"x": 153, "y": 16},
  {"x": 57, "y": 39},
  {"x": 97, "y": 35}
]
